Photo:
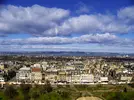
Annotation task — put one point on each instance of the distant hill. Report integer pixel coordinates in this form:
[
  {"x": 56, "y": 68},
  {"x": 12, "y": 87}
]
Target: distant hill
[{"x": 64, "y": 53}]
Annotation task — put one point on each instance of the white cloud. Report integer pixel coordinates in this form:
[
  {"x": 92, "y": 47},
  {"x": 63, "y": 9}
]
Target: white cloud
[
  {"x": 126, "y": 14},
  {"x": 89, "y": 38},
  {"x": 85, "y": 24},
  {"x": 34, "y": 20},
  {"x": 49, "y": 24},
  {"x": 105, "y": 39},
  {"x": 40, "y": 48},
  {"x": 42, "y": 21}
]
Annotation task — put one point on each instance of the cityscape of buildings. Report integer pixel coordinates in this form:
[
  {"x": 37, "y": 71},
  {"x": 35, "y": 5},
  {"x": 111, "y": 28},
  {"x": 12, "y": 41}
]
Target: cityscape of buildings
[{"x": 69, "y": 70}]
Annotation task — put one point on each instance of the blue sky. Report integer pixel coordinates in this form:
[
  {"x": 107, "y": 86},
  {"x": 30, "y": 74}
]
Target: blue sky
[{"x": 67, "y": 25}]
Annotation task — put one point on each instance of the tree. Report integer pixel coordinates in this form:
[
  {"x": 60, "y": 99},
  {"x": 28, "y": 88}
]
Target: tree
[
  {"x": 125, "y": 89},
  {"x": 65, "y": 94},
  {"x": 35, "y": 92},
  {"x": 25, "y": 88},
  {"x": 35, "y": 95},
  {"x": 47, "y": 87},
  {"x": 10, "y": 92}
]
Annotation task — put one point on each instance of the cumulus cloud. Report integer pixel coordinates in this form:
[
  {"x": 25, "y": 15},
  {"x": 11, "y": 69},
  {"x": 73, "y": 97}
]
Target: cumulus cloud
[
  {"x": 39, "y": 48},
  {"x": 34, "y": 20},
  {"x": 101, "y": 39},
  {"x": 127, "y": 14},
  {"x": 42, "y": 21},
  {"x": 99, "y": 23},
  {"x": 123, "y": 22},
  {"x": 54, "y": 26}
]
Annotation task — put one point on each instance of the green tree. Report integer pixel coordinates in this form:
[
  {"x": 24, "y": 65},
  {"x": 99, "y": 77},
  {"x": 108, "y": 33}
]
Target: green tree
[
  {"x": 35, "y": 92},
  {"x": 47, "y": 88},
  {"x": 51, "y": 96},
  {"x": 125, "y": 89},
  {"x": 10, "y": 92},
  {"x": 25, "y": 88},
  {"x": 35, "y": 95},
  {"x": 64, "y": 94}
]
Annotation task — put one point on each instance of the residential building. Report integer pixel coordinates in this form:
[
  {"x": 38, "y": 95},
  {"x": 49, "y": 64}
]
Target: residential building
[
  {"x": 24, "y": 74},
  {"x": 87, "y": 78},
  {"x": 36, "y": 75}
]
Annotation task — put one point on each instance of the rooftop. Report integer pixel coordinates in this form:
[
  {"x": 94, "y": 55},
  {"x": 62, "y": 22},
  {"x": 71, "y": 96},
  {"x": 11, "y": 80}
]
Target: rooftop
[{"x": 36, "y": 69}]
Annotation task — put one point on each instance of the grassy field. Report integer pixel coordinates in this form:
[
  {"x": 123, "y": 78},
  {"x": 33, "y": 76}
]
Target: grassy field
[{"x": 105, "y": 92}]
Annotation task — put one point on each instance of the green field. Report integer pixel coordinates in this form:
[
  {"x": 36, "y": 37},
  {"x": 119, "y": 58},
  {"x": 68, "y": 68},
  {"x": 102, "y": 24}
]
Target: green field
[{"x": 46, "y": 92}]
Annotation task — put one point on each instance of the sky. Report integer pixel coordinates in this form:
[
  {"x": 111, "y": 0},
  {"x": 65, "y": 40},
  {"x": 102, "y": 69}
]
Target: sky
[{"x": 67, "y": 25}]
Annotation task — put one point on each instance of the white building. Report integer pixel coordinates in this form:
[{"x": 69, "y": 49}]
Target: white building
[
  {"x": 2, "y": 79},
  {"x": 87, "y": 78},
  {"x": 75, "y": 79},
  {"x": 82, "y": 79},
  {"x": 126, "y": 79},
  {"x": 103, "y": 79},
  {"x": 36, "y": 65},
  {"x": 51, "y": 75},
  {"x": 24, "y": 74}
]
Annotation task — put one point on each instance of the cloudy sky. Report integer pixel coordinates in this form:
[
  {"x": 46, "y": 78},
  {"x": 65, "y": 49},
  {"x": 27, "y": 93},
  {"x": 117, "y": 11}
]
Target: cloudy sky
[{"x": 67, "y": 25}]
